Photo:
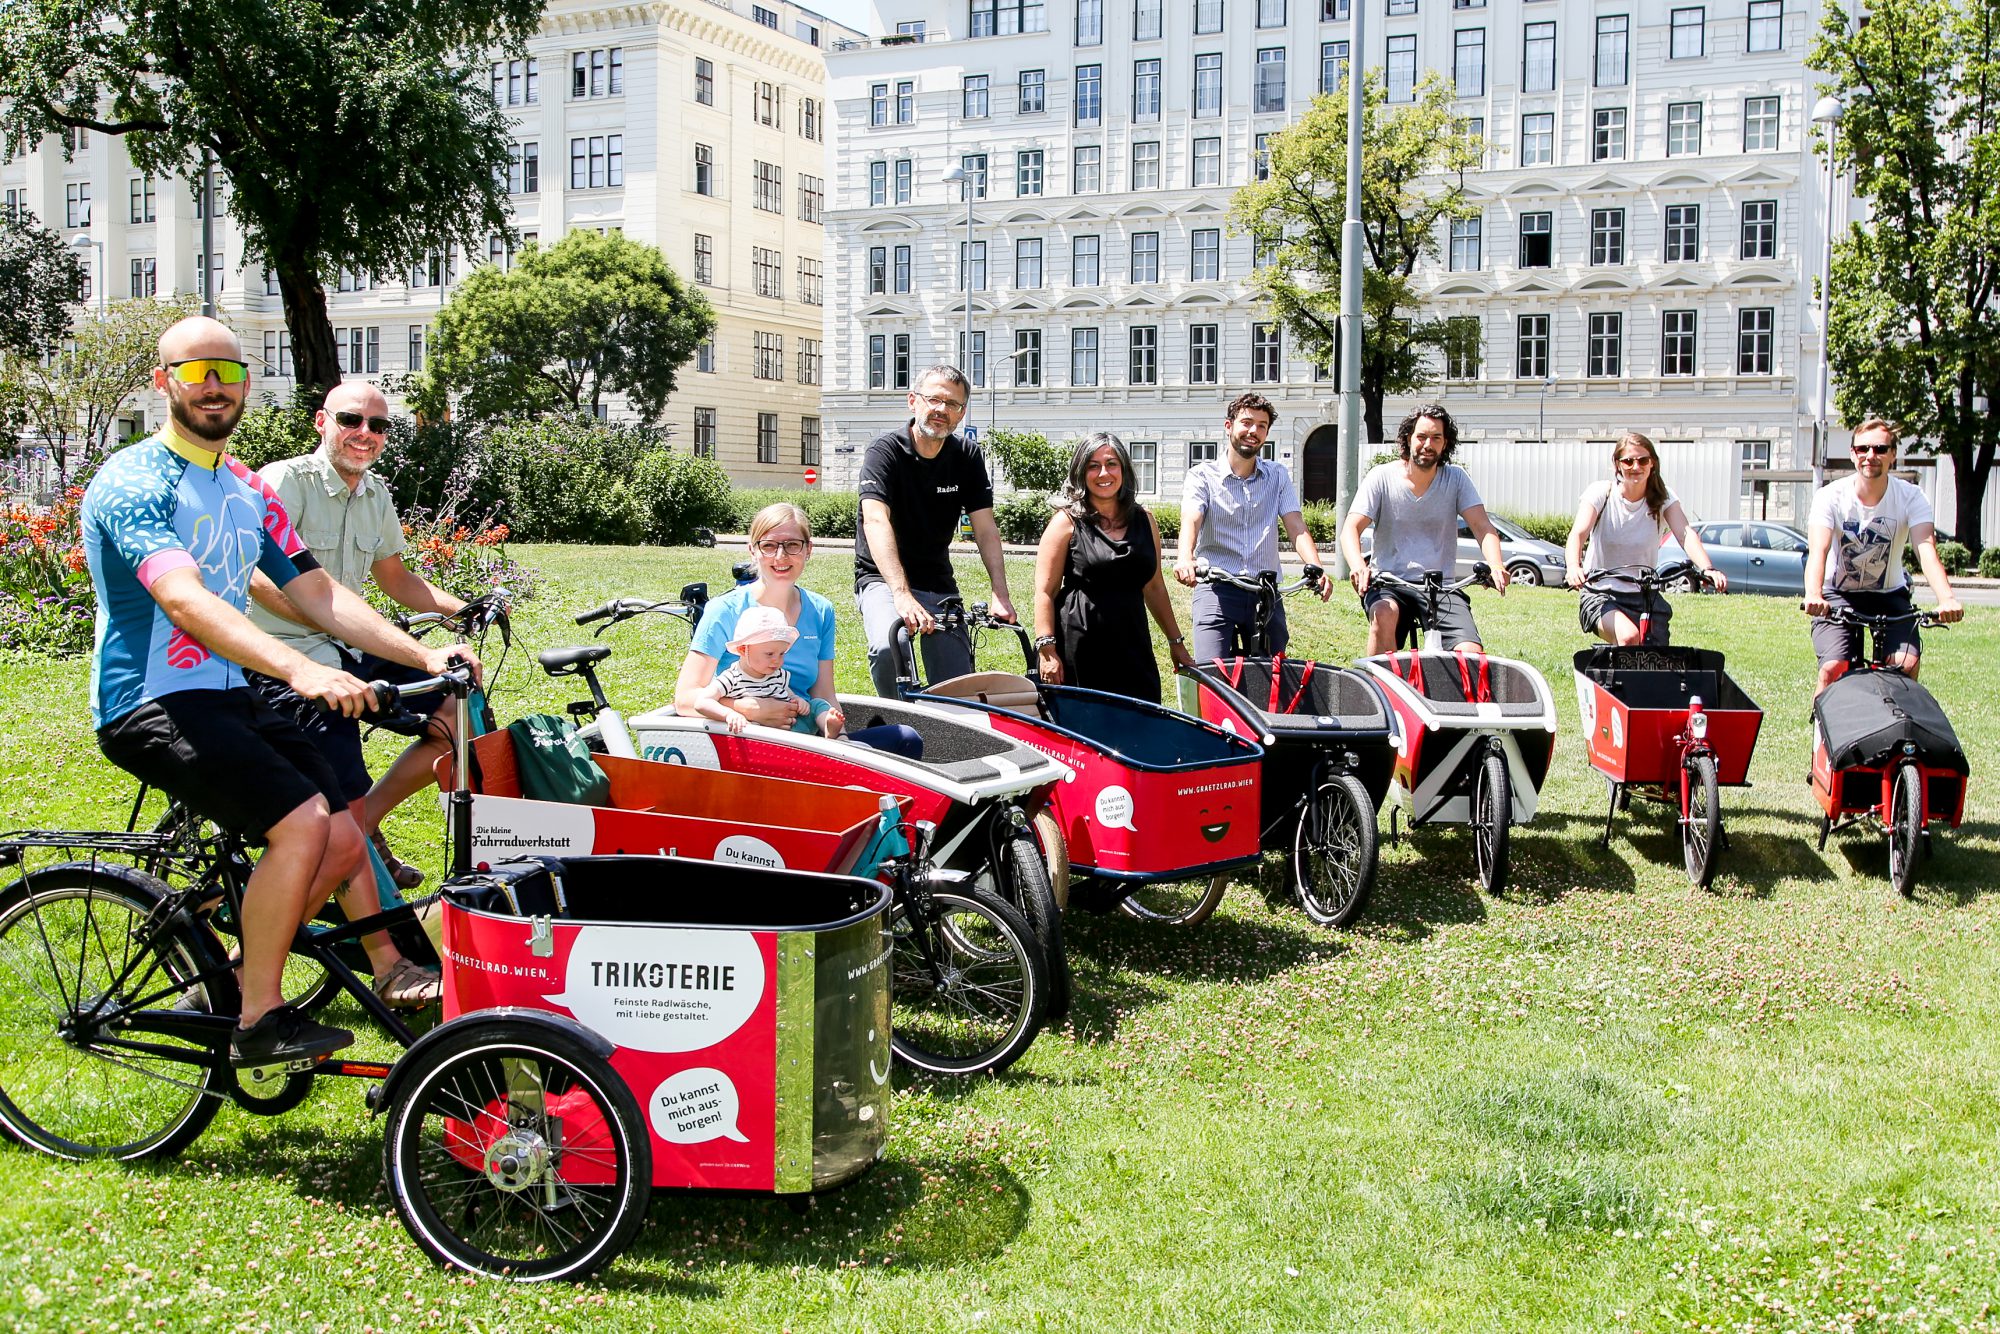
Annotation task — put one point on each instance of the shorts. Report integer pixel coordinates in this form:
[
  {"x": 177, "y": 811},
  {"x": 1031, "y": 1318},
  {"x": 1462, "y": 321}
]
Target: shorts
[
  {"x": 1842, "y": 643},
  {"x": 226, "y": 754},
  {"x": 1455, "y": 624},
  {"x": 1225, "y": 623},
  {"x": 337, "y": 736},
  {"x": 1595, "y": 604}
]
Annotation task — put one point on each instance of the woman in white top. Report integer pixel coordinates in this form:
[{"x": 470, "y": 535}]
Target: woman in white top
[{"x": 1626, "y": 520}]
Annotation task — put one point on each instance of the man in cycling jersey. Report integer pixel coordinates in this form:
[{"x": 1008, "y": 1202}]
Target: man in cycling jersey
[{"x": 173, "y": 529}]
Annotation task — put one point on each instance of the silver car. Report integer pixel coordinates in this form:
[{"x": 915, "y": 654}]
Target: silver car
[
  {"x": 1529, "y": 560},
  {"x": 1758, "y": 556}
]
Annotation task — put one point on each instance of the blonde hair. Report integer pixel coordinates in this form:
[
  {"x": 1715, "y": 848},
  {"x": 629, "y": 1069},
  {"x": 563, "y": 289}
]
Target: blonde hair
[{"x": 771, "y": 516}]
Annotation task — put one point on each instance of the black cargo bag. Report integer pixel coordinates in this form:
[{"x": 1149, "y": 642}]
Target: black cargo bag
[
  {"x": 554, "y": 762},
  {"x": 1865, "y": 717}
]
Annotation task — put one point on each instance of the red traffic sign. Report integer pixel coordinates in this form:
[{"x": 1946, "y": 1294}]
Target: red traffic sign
[{"x": 812, "y": 476}]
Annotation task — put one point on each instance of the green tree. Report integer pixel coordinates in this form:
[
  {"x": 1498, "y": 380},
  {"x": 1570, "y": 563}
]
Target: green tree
[
  {"x": 356, "y": 134},
  {"x": 71, "y": 397},
  {"x": 593, "y": 314},
  {"x": 1413, "y": 160},
  {"x": 1031, "y": 463},
  {"x": 40, "y": 278},
  {"x": 1913, "y": 335}
]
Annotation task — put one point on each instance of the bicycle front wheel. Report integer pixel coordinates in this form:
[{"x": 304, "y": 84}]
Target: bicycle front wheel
[
  {"x": 1492, "y": 809},
  {"x": 1701, "y": 828},
  {"x": 1176, "y": 903},
  {"x": 968, "y": 984},
  {"x": 1333, "y": 852},
  {"x": 75, "y": 954},
  {"x": 1906, "y": 823},
  {"x": 1018, "y": 874},
  {"x": 517, "y": 1152}
]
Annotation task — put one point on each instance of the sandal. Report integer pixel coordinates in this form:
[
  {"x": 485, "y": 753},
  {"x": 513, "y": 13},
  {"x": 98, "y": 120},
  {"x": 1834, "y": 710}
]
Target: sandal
[
  {"x": 409, "y": 986},
  {"x": 405, "y": 875}
]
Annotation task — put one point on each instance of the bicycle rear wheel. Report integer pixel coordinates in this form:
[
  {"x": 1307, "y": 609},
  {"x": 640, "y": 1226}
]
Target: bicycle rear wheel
[
  {"x": 1701, "y": 829},
  {"x": 1176, "y": 902},
  {"x": 968, "y": 984},
  {"x": 74, "y": 950},
  {"x": 1906, "y": 822}
]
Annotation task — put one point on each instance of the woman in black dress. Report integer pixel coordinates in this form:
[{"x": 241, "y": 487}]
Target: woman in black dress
[{"x": 1097, "y": 575}]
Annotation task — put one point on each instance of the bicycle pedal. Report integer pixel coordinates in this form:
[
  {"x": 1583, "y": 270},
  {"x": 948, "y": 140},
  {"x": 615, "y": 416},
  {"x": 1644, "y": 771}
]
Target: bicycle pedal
[{"x": 263, "y": 1074}]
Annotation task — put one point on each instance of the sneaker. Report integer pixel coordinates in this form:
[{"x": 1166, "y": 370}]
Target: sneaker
[
  {"x": 285, "y": 1036},
  {"x": 405, "y": 875},
  {"x": 409, "y": 986}
]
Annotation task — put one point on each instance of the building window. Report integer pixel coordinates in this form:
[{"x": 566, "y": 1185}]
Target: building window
[
  {"x": 812, "y": 198},
  {"x": 809, "y": 118},
  {"x": 1083, "y": 257},
  {"x": 878, "y": 270},
  {"x": 1683, "y": 233},
  {"x": 516, "y": 82},
  {"x": 1083, "y": 357},
  {"x": 1146, "y": 166},
  {"x": 1271, "y": 79},
  {"x": 415, "y": 353},
  {"x": 977, "y": 274},
  {"x": 704, "y": 169},
  {"x": 812, "y": 279},
  {"x": 1531, "y": 347},
  {"x": 1607, "y": 236},
  {"x": 878, "y": 104},
  {"x": 1206, "y": 166},
  {"x": 767, "y": 17},
  {"x": 1332, "y": 65},
  {"x": 1607, "y": 337},
  {"x": 973, "y": 99},
  {"x": 1034, "y": 92},
  {"x": 1398, "y": 8},
  {"x": 1089, "y": 94},
  {"x": 1145, "y": 90},
  {"x": 598, "y": 162},
  {"x": 974, "y": 365},
  {"x": 145, "y": 277},
  {"x": 1145, "y": 466},
  {"x": 143, "y": 201},
  {"x": 1146, "y": 20},
  {"x": 1538, "y": 139},
  {"x": 906, "y": 102},
  {"x": 1538, "y": 58},
  {"x": 1754, "y": 330},
  {"x": 704, "y": 81},
  {"x": 524, "y": 168},
  {"x": 904, "y": 170},
  {"x": 1142, "y": 360},
  {"x": 767, "y": 103},
  {"x": 1760, "y": 123},
  {"x": 809, "y": 440},
  {"x": 1766, "y": 25},
  {"x": 1760, "y": 229},
  {"x": 1027, "y": 358},
  {"x": 1270, "y": 13},
  {"x": 1260, "y": 158},
  {"x": 1683, "y": 129},
  {"x": 878, "y": 361},
  {"x": 767, "y": 437},
  {"x": 1205, "y": 255},
  {"x": 1607, "y": 143},
  {"x": 770, "y": 355},
  {"x": 1677, "y": 342},
  {"x": 1089, "y": 22},
  {"x": 1208, "y": 85},
  {"x": 1028, "y": 262},
  {"x": 704, "y": 433},
  {"x": 1028, "y": 172},
  {"x": 1207, "y": 16},
  {"x": 1614, "y": 33},
  {"x": 769, "y": 179},
  {"x": 358, "y": 351},
  {"x": 1087, "y": 170},
  {"x": 704, "y": 356},
  {"x": 599, "y": 73},
  {"x": 1537, "y": 240},
  {"x": 767, "y": 269},
  {"x": 1464, "y": 256},
  {"x": 1145, "y": 257},
  {"x": 1266, "y": 353},
  {"x": 1401, "y": 71},
  {"x": 1468, "y": 62},
  {"x": 278, "y": 350},
  {"x": 974, "y": 167},
  {"x": 704, "y": 259},
  {"x": 1204, "y": 353},
  {"x": 76, "y": 204},
  {"x": 1461, "y": 347},
  {"x": 1687, "y": 40},
  {"x": 902, "y": 270}
]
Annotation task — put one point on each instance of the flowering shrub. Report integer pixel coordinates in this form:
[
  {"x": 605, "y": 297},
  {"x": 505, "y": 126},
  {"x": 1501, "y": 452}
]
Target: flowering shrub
[
  {"x": 47, "y": 604},
  {"x": 466, "y": 557}
]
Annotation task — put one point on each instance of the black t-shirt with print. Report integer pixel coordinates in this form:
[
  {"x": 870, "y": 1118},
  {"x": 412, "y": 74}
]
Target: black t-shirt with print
[{"x": 925, "y": 498}]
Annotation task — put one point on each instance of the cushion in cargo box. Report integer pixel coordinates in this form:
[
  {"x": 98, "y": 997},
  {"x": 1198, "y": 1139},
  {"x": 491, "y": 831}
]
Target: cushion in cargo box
[{"x": 1865, "y": 717}]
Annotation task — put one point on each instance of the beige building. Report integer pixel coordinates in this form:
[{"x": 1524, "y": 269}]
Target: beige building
[{"x": 699, "y": 127}]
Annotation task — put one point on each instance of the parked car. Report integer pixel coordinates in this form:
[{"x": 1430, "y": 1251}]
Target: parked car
[
  {"x": 1758, "y": 557},
  {"x": 1528, "y": 558}
]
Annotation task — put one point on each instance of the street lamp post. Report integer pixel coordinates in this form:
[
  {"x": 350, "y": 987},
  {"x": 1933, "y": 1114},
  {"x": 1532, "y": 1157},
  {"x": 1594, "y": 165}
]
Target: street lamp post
[
  {"x": 1353, "y": 244},
  {"x": 83, "y": 241},
  {"x": 1542, "y": 412},
  {"x": 1826, "y": 113},
  {"x": 966, "y": 180}
]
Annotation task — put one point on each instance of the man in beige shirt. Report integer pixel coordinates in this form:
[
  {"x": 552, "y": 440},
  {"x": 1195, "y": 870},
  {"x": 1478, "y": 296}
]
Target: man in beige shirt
[{"x": 347, "y": 518}]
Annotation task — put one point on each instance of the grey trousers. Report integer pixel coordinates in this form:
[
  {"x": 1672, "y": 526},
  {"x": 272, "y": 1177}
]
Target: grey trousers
[{"x": 945, "y": 654}]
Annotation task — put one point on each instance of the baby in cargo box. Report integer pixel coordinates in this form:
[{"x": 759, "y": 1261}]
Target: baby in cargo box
[{"x": 762, "y": 636}]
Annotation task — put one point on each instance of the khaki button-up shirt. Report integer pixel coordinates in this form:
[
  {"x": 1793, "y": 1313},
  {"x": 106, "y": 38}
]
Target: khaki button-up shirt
[{"x": 346, "y": 531}]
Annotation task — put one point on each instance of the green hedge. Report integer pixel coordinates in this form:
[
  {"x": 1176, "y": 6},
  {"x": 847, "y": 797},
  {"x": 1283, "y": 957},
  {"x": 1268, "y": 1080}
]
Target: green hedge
[
  {"x": 832, "y": 513},
  {"x": 1955, "y": 556},
  {"x": 1989, "y": 562},
  {"x": 1549, "y": 527}
]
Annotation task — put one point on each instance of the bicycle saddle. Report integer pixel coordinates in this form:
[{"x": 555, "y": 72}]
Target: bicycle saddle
[{"x": 561, "y": 661}]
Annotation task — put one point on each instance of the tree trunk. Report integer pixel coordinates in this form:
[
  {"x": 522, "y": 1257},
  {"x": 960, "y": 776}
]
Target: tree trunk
[
  {"x": 1970, "y": 472},
  {"x": 315, "y": 358},
  {"x": 1371, "y": 412}
]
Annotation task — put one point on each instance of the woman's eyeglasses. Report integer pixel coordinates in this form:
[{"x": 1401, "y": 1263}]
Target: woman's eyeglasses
[
  {"x": 792, "y": 548},
  {"x": 1636, "y": 461}
]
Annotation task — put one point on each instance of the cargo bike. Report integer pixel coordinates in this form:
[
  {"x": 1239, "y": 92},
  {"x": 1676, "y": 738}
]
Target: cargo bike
[
  {"x": 1329, "y": 744},
  {"x": 1885, "y": 755},
  {"x": 1667, "y": 724},
  {"x": 1477, "y": 731},
  {"x": 611, "y": 1025},
  {"x": 1156, "y": 798}
]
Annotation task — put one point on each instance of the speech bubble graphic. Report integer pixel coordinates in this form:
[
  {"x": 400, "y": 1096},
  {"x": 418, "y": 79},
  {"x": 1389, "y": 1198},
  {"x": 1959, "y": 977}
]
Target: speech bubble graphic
[
  {"x": 694, "y": 1106},
  {"x": 658, "y": 989},
  {"x": 743, "y": 850},
  {"x": 1114, "y": 808}
]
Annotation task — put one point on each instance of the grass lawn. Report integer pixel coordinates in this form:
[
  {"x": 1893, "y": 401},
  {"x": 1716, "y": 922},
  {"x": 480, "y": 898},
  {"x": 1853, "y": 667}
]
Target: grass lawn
[{"x": 1598, "y": 1102}]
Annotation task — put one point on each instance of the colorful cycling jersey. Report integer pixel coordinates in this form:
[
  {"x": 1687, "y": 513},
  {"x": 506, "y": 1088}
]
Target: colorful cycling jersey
[{"x": 160, "y": 504}]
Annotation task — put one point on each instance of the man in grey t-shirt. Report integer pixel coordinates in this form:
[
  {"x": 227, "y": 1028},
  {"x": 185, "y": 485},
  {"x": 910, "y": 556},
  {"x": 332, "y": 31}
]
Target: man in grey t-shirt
[{"x": 1415, "y": 505}]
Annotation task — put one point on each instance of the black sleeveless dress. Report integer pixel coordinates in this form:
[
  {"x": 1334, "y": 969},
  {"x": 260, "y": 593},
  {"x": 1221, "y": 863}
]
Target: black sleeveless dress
[{"x": 1102, "y": 632}]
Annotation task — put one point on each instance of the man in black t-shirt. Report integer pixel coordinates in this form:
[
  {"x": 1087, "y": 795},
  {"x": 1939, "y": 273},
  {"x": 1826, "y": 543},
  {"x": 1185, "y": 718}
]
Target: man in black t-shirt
[{"x": 915, "y": 481}]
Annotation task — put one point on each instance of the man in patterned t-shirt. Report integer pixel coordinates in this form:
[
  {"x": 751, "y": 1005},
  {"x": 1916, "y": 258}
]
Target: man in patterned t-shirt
[{"x": 173, "y": 529}]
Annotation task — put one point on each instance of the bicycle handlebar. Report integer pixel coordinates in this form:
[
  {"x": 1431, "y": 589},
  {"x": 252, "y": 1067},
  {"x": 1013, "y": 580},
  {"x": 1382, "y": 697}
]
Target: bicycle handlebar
[
  {"x": 1648, "y": 578},
  {"x": 1926, "y": 620},
  {"x": 471, "y": 620},
  {"x": 624, "y": 609},
  {"x": 456, "y": 682},
  {"x": 1482, "y": 573},
  {"x": 1312, "y": 578}
]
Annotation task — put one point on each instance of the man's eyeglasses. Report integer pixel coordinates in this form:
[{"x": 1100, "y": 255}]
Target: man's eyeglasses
[
  {"x": 1872, "y": 449},
  {"x": 347, "y": 421},
  {"x": 791, "y": 548},
  {"x": 1636, "y": 461},
  {"x": 942, "y": 404},
  {"x": 198, "y": 369}
]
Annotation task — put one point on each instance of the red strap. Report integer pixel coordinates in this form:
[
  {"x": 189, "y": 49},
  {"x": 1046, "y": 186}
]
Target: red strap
[
  {"x": 1415, "y": 676},
  {"x": 1233, "y": 672},
  {"x": 1300, "y": 693},
  {"x": 1477, "y": 681},
  {"x": 1277, "y": 674}
]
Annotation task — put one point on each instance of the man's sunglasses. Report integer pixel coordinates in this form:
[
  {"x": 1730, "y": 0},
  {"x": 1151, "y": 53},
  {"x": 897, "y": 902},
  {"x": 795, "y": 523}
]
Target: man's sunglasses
[
  {"x": 347, "y": 421},
  {"x": 1872, "y": 449},
  {"x": 199, "y": 369}
]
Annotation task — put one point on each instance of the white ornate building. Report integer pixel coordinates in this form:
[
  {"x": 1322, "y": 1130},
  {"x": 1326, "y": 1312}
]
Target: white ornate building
[{"x": 1643, "y": 258}]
